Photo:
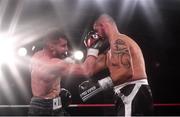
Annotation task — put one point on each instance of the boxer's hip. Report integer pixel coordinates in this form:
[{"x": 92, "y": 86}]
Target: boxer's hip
[
  {"x": 52, "y": 104},
  {"x": 139, "y": 82},
  {"x": 129, "y": 89},
  {"x": 135, "y": 97}
]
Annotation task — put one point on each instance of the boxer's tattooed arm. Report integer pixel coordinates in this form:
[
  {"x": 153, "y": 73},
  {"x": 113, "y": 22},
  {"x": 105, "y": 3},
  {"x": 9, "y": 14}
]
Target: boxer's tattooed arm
[{"x": 120, "y": 49}]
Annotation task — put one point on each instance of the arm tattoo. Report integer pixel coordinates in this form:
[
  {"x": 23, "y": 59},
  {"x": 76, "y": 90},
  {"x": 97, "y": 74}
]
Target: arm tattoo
[{"x": 121, "y": 51}]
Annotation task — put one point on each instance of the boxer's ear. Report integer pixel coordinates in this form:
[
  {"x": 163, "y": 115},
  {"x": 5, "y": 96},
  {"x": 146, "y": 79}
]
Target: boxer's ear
[{"x": 50, "y": 46}]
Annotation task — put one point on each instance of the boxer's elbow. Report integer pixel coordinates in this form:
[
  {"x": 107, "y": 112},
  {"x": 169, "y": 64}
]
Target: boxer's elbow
[
  {"x": 80, "y": 71},
  {"x": 88, "y": 73},
  {"x": 86, "y": 70},
  {"x": 85, "y": 73}
]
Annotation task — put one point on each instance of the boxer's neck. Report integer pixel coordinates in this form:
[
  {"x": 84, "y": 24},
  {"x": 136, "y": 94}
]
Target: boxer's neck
[{"x": 112, "y": 33}]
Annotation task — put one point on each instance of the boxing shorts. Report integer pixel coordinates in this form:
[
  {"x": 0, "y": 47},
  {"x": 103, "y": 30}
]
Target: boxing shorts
[
  {"x": 39, "y": 106},
  {"x": 133, "y": 98}
]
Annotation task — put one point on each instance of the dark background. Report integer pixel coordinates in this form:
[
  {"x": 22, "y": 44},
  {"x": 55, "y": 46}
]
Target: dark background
[{"x": 153, "y": 24}]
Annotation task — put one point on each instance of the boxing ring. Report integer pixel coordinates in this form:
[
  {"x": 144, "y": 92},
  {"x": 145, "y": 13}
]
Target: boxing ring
[
  {"x": 96, "y": 105},
  {"x": 107, "y": 109}
]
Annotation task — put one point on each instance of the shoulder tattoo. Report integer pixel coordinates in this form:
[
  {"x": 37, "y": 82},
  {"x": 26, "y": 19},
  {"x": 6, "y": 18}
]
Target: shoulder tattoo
[{"x": 120, "y": 49}]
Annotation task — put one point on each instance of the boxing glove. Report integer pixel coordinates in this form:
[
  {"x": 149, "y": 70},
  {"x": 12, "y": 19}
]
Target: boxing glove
[
  {"x": 88, "y": 89},
  {"x": 93, "y": 42},
  {"x": 66, "y": 97}
]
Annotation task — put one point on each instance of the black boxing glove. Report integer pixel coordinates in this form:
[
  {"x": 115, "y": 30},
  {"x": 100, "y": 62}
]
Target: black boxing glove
[
  {"x": 93, "y": 42},
  {"x": 66, "y": 97},
  {"x": 88, "y": 89}
]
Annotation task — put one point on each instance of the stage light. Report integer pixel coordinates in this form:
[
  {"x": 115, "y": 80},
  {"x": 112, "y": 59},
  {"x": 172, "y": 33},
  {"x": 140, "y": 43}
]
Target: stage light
[
  {"x": 6, "y": 48},
  {"x": 33, "y": 48},
  {"x": 22, "y": 51},
  {"x": 78, "y": 55}
]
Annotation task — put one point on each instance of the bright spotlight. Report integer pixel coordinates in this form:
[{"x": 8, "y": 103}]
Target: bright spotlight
[
  {"x": 6, "y": 49},
  {"x": 22, "y": 51},
  {"x": 78, "y": 55},
  {"x": 33, "y": 48}
]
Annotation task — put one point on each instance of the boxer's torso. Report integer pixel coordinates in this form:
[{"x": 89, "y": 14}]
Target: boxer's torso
[
  {"x": 118, "y": 60},
  {"x": 43, "y": 85}
]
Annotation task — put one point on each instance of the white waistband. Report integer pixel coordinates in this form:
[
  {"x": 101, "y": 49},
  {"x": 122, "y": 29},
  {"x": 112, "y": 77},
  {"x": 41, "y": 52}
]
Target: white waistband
[
  {"x": 142, "y": 81},
  {"x": 57, "y": 103}
]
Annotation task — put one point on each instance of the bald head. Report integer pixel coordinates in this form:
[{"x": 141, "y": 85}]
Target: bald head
[
  {"x": 105, "y": 26},
  {"x": 104, "y": 18}
]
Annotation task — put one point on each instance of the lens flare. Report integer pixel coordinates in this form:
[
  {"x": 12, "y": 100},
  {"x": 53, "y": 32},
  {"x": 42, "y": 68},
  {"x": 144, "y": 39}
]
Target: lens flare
[
  {"x": 6, "y": 48},
  {"x": 22, "y": 51},
  {"x": 78, "y": 55}
]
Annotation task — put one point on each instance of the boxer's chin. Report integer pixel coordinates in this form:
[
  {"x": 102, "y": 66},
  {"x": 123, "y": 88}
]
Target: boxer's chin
[{"x": 62, "y": 56}]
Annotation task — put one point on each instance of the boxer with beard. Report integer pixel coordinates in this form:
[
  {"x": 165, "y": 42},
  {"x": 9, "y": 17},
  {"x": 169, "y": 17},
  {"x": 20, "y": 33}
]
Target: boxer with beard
[{"x": 49, "y": 66}]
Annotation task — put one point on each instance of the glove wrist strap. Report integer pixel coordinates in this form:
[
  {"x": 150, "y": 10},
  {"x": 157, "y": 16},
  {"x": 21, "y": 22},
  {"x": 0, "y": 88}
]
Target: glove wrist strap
[{"x": 92, "y": 52}]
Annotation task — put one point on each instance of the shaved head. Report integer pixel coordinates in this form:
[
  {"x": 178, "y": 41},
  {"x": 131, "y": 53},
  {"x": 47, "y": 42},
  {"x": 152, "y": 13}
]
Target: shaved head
[
  {"x": 105, "y": 25},
  {"x": 104, "y": 18}
]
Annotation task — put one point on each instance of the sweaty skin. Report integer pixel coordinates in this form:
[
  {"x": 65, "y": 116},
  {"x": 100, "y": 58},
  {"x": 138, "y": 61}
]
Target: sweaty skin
[
  {"x": 43, "y": 84},
  {"x": 47, "y": 70},
  {"x": 124, "y": 59}
]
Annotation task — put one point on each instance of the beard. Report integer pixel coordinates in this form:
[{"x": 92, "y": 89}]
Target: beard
[
  {"x": 64, "y": 55},
  {"x": 60, "y": 55}
]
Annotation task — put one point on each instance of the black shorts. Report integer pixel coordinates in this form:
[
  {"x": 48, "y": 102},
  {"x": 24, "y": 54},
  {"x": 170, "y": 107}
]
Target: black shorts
[
  {"x": 39, "y": 106},
  {"x": 134, "y": 99}
]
